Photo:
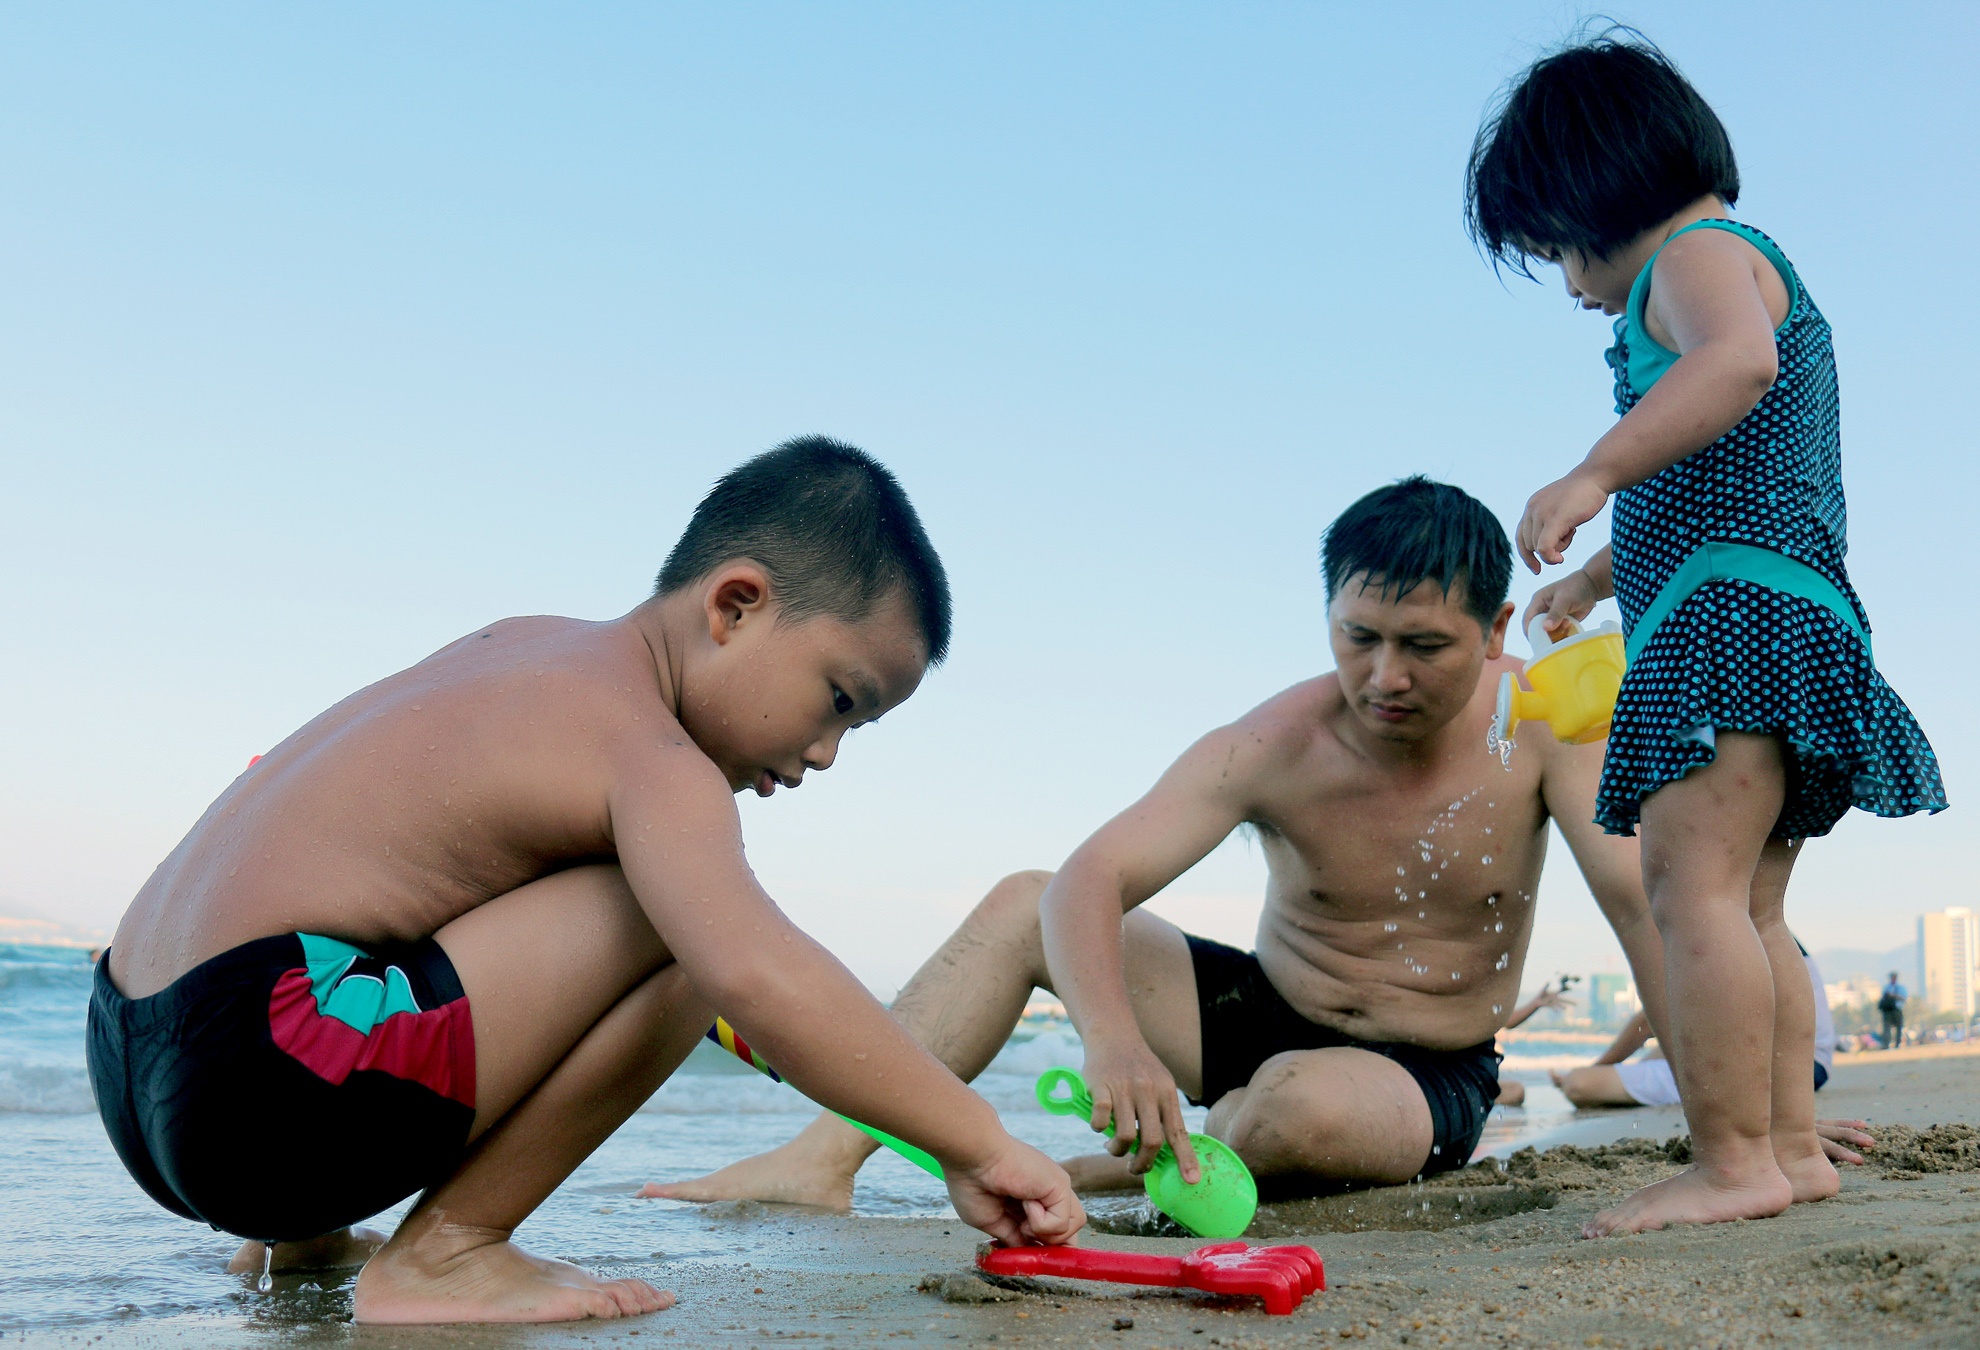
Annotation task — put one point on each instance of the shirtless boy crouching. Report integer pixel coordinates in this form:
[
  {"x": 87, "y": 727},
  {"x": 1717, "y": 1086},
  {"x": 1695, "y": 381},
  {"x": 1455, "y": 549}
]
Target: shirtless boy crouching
[{"x": 450, "y": 934}]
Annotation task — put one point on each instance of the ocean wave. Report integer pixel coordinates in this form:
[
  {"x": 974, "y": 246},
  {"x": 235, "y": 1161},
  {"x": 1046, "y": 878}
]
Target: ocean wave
[{"x": 45, "y": 1089}]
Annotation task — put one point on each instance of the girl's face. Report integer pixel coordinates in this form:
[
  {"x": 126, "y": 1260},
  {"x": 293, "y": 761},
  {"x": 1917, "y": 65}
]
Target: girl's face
[{"x": 1595, "y": 282}]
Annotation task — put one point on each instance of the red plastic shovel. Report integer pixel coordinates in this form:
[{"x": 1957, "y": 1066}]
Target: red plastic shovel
[{"x": 1282, "y": 1276}]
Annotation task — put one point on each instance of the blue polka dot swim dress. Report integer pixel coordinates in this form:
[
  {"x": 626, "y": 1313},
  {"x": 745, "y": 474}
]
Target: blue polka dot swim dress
[{"x": 1735, "y": 653}]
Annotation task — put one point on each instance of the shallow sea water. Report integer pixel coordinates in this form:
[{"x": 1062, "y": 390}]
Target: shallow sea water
[{"x": 80, "y": 1245}]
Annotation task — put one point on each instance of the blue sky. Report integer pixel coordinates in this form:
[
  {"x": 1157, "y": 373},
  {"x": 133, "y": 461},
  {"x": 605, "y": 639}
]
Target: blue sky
[{"x": 328, "y": 333}]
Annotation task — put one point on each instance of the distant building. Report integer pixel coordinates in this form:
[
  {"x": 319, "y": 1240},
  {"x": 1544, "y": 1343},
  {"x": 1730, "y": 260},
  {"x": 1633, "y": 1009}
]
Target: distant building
[
  {"x": 1611, "y": 1000},
  {"x": 1949, "y": 961}
]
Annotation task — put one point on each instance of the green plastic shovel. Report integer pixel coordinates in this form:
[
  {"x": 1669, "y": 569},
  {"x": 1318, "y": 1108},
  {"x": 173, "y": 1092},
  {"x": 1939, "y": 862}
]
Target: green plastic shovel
[{"x": 1220, "y": 1205}]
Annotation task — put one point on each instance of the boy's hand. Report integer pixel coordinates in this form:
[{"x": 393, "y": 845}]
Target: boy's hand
[
  {"x": 1554, "y": 513},
  {"x": 1572, "y": 597},
  {"x": 1132, "y": 1088},
  {"x": 1019, "y": 1197}
]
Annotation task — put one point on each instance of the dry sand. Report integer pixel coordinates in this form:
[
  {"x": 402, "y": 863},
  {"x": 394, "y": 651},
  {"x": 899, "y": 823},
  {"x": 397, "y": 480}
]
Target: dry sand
[{"x": 1894, "y": 1260}]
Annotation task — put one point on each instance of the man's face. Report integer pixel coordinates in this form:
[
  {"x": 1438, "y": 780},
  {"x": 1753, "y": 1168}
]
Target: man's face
[
  {"x": 1408, "y": 666},
  {"x": 782, "y": 694}
]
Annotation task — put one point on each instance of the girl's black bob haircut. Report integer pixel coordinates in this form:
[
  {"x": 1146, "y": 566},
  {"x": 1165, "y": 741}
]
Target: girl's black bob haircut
[{"x": 1589, "y": 148}]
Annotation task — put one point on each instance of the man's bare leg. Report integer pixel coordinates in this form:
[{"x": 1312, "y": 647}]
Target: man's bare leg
[
  {"x": 1703, "y": 840},
  {"x": 962, "y": 1005},
  {"x": 1798, "y": 1150},
  {"x": 1342, "y": 1114},
  {"x": 579, "y": 1014}
]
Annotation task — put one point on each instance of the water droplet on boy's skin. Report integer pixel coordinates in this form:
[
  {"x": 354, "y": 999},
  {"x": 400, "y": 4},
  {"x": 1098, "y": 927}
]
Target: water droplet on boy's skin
[
  {"x": 1498, "y": 928},
  {"x": 1497, "y": 1009},
  {"x": 1419, "y": 913},
  {"x": 1402, "y": 871},
  {"x": 1486, "y": 860},
  {"x": 1390, "y": 927},
  {"x": 1454, "y": 974}
]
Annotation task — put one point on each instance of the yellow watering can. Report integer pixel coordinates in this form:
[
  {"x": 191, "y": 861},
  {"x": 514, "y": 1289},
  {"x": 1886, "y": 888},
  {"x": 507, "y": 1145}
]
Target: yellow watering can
[{"x": 1574, "y": 679}]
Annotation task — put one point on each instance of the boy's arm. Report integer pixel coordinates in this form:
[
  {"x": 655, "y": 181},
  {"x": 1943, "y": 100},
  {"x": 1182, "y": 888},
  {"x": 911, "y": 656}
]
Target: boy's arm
[
  {"x": 1548, "y": 997},
  {"x": 1707, "y": 296},
  {"x": 1191, "y": 809},
  {"x": 1611, "y": 865},
  {"x": 680, "y": 844}
]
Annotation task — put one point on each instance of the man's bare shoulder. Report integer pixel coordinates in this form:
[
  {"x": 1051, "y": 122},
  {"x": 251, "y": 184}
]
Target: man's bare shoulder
[{"x": 1283, "y": 728}]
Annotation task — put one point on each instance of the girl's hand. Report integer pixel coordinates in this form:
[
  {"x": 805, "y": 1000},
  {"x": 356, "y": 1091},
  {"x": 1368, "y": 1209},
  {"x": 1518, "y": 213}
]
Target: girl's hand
[
  {"x": 1554, "y": 513},
  {"x": 1572, "y": 597},
  {"x": 1018, "y": 1196}
]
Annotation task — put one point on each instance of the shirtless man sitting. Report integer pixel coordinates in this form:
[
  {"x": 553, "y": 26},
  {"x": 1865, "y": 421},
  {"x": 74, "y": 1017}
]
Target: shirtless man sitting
[
  {"x": 1356, "y": 1045},
  {"x": 451, "y": 933}
]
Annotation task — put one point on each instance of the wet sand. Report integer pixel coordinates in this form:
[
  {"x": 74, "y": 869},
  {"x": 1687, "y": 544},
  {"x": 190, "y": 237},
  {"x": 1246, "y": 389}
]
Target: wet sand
[{"x": 1894, "y": 1260}]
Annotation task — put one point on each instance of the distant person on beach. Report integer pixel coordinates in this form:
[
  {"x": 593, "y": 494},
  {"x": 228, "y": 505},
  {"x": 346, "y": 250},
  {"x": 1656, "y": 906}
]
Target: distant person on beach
[
  {"x": 1890, "y": 1005},
  {"x": 1752, "y": 716},
  {"x": 1512, "y": 1092},
  {"x": 1616, "y": 1080},
  {"x": 1356, "y": 1043},
  {"x": 450, "y": 934}
]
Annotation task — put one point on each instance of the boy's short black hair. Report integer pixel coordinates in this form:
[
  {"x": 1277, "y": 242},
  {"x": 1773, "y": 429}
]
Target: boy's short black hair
[
  {"x": 1413, "y": 531},
  {"x": 830, "y": 525},
  {"x": 1589, "y": 148}
]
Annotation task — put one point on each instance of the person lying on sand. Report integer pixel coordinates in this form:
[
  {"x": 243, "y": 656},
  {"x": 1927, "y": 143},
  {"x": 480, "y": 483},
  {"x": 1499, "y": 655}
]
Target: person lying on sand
[
  {"x": 1356, "y": 1044},
  {"x": 450, "y": 934}
]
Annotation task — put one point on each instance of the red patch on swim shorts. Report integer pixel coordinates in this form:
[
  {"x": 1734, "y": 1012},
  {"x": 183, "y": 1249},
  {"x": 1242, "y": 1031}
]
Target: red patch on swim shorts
[{"x": 434, "y": 1048}]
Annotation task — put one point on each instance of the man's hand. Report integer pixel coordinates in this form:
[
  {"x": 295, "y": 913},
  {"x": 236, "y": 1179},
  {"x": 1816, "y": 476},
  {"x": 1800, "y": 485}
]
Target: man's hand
[
  {"x": 1019, "y": 1197},
  {"x": 1554, "y": 513},
  {"x": 1131, "y": 1087},
  {"x": 1840, "y": 1139}
]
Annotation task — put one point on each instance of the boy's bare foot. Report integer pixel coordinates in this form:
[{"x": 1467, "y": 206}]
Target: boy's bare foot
[
  {"x": 345, "y": 1249},
  {"x": 1694, "y": 1196},
  {"x": 812, "y": 1169},
  {"x": 1100, "y": 1172},
  {"x": 454, "y": 1274}
]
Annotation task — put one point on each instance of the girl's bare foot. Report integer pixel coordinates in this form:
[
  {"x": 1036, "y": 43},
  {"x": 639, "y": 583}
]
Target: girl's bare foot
[
  {"x": 1695, "y": 1196},
  {"x": 1100, "y": 1172},
  {"x": 1808, "y": 1170},
  {"x": 814, "y": 1169},
  {"x": 458, "y": 1274},
  {"x": 345, "y": 1249}
]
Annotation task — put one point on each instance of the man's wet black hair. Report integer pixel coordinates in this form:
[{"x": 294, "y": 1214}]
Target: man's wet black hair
[
  {"x": 831, "y": 526},
  {"x": 1589, "y": 148},
  {"x": 1400, "y": 536}
]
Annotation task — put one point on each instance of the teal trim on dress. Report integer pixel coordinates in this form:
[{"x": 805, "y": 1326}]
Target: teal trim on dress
[
  {"x": 360, "y": 1002},
  {"x": 1648, "y": 359},
  {"x": 1717, "y": 560}
]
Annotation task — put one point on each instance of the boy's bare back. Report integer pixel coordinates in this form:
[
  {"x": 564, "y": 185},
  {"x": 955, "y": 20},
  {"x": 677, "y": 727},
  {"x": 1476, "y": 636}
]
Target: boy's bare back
[{"x": 483, "y": 767}]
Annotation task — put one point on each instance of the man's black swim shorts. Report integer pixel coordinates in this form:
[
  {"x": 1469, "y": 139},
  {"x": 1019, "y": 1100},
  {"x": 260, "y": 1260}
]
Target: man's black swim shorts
[
  {"x": 289, "y": 1087},
  {"x": 1246, "y": 1022}
]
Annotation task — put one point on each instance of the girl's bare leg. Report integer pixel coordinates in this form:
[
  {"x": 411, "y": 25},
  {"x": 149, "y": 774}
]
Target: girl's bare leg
[
  {"x": 579, "y": 1014},
  {"x": 1703, "y": 840},
  {"x": 1797, "y": 1148}
]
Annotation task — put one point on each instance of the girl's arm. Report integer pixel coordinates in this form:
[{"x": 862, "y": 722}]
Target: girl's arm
[
  {"x": 1574, "y": 595},
  {"x": 1708, "y": 300}
]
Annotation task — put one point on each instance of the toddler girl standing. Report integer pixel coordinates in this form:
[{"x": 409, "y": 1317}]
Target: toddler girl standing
[{"x": 1752, "y": 716}]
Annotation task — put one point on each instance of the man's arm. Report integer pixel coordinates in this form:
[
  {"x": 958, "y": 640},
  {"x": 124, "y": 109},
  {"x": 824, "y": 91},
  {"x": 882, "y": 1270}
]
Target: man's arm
[
  {"x": 1191, "y": 809},
  {"x": 680, "y": 844},
  {"x": 1611, "y": 865}
]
